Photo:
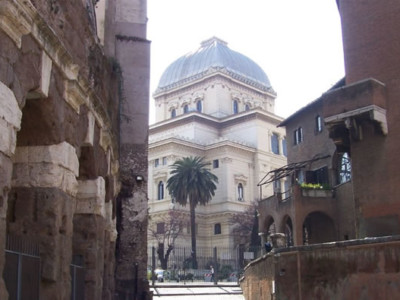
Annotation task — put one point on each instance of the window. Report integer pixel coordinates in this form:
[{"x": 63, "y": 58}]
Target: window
[
  {"x": 298, "y": 136},
  {"x": 277, "y": 186},
  {"x": 318, "y": 176},
  {"x": 215, "y": 163},
  {"x": 284, "y": 147},
  {"x": 300, "y": 176},
  {"x": 235, "y": 107},
  {"x": 156, "y": 162},
  {"x": 160, "y": 190},
  {"x": 164, "y": 161},
  {"x": 344, "y": 168},
  {"x": 247, "y": 107},
  {"x": 199, "y": 106},
  {"x": 275, "y": 143},
  {"x": 185, "y": 109},
  {"x": 318, "y": 124},
  {"x": 217, "y": 228},
  {"x": 173, "y": 113},
  {"x": 160, "y": 228},
  {"x": 240, "y": 192}
]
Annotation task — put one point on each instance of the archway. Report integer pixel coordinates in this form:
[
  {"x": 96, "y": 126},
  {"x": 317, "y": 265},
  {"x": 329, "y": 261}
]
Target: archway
[
  {"x": 318, "y": 227},
  {"x": 288, "y": 230}
]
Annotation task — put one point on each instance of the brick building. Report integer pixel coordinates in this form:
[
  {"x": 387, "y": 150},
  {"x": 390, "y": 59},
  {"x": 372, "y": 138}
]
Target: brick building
[
  {"x": 362, "y": 119},
  {"x": 66, "y": 152},
  {"x": 313, "y": 198}
]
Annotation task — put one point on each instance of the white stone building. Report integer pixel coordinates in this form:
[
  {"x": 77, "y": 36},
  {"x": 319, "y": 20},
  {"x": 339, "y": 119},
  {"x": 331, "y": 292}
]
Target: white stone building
[{"x": 219, "y": 104}]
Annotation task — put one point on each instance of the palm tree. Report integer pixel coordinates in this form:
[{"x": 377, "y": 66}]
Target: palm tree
[{"x": 192, "y": 181}]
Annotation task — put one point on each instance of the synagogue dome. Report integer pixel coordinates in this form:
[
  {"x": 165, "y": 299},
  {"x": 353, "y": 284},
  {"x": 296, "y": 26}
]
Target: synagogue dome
[{"x": 213, "y": 56}]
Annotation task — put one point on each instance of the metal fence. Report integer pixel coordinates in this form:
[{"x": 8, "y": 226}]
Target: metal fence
[
  {"x": 227, "y": 262},
  {"x": 77, "y": 278},
  {"x": 22, "y": 269}
]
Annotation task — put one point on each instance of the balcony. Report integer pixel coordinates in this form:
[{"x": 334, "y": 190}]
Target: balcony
[{"x": 348, "y": 105}]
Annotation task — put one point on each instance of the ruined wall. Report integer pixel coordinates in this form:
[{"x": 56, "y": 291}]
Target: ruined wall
[
  {"x": 125, "y": 38},
  {"x": 59, "y": 142},
  {"x": 358, "y": 269}
]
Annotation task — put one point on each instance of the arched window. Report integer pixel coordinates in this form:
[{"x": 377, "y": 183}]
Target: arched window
[
  {"x": 186, "y": 109},
  {"x": 240, "y": 192},
  {"x": 173, "y": 113},
  {"x": 344, "y": 168},
  {"x": 160, "y": 190},
  {"x": 235, "y": 107},
  {"x": 199, "y": 106}
]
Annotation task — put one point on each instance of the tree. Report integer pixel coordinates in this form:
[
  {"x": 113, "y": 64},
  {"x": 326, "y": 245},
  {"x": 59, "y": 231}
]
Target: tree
[
  {"x": 192, "y": 182},
  {"x": 246, "y": 226},
  {"x": 171, "y": 226}
]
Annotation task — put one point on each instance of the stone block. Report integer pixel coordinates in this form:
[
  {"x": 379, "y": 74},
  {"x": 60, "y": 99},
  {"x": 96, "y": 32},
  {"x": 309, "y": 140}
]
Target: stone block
[
  {"x": 91, "y": 197},
  {"x": 54, "y": 166},
  {"x": 63, "y": 155},
  {"x": 43, "y": 90}
]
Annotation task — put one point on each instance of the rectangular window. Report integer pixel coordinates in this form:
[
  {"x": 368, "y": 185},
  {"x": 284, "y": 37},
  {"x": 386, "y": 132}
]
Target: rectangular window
[
  {"x": 156, "y": 162},
  {"x": 275, "y": 143},
  {"x": 215, "y": 163},
  {"x": 164, "y": 161},
  {"x": 318, "y": 176},
  {"x": 298, "y": 136},
  {"x": 318, "y": 124},
  {"x": 161, "y": 228},
  {"x": 284, "y": 147},
  {"x": 217, "y": 228},
  {"x": 277, "y": 186}
]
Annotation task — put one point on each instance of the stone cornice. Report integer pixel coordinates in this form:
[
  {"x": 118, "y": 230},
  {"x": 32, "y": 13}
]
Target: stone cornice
[
  {"x": 219, "y": 124},
  {"x": 209, "y": 80},
  {"x": 242, "y": 80}
]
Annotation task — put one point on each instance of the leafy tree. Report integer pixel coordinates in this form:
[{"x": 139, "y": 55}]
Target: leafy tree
[
  {"x": 192, "y": 182},
  {"x": 245, "y": 230},
  {"x": 173, "y": 225}
]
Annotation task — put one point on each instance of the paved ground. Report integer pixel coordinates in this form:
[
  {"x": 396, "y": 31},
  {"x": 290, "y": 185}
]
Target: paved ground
[{"x": 197, "y": 291}]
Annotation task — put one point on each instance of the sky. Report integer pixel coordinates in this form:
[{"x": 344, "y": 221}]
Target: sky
[{"x": 297, "y": 43}]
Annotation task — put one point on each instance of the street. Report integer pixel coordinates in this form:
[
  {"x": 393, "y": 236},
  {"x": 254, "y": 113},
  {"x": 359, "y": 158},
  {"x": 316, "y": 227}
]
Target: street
[{"x": 197, "y": 291}]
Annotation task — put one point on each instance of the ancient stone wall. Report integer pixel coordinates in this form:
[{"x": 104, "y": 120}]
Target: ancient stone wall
[
  {"x": 358, "y": 269},
  {"x": 59, "y": 123}
]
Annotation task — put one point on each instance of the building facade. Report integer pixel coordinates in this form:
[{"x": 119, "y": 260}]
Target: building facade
[
  {"x": 63, "y": 148},
  {"x": 218, "y": 104},
  {"x": 317, "y": 203}
]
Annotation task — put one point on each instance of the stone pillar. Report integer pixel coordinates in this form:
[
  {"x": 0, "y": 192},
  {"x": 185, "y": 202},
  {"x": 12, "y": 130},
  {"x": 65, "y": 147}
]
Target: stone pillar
[
  {"x": 42, "y": 202},
  {"x": 125, "y": 39},
  {"x": 110, "y": 236},
  {"x": 10, "y": 122},
  {"x": 278, "y": 240},
  {"x": 88, "y": 238}
]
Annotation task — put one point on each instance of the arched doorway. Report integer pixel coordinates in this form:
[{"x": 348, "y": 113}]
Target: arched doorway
[
  {"x": 318, "y": 227},
  {"x": 288, "y": 230}
]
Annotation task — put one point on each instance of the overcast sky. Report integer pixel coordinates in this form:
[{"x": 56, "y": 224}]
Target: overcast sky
[{"x": 297, "y": 43}]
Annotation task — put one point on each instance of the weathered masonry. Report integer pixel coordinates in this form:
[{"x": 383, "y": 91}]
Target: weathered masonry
[{"x": 60, "y": 146}]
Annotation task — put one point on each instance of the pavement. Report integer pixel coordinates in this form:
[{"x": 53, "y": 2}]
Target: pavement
[{"x": 197, "y": 291}]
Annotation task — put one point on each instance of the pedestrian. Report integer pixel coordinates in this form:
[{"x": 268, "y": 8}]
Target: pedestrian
[
  {"x": 268, "y": 247},
  {"x": 212, "y": 273}
]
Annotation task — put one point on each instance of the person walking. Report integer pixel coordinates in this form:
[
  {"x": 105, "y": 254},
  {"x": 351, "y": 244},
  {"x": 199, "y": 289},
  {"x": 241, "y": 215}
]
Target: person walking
[{"x": 212, "y": 273}]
